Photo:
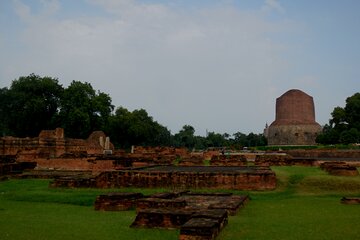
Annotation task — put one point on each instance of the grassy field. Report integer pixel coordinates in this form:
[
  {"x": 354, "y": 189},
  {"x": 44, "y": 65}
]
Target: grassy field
[{"x": 305, "y": 205}]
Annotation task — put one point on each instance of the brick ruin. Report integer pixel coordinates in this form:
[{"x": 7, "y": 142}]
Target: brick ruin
[
  {"x": 52, "y": 144},
  {"x": 88, "y": 162},
  {"x": 339, "y": 169},
  {"x": 174, "y": 177},
  {"x": 199, "y": 216},
  {"x": 51, "y": 150},
  {"x": 350, "y": 200},
  {"x": 228, "y": 160}
]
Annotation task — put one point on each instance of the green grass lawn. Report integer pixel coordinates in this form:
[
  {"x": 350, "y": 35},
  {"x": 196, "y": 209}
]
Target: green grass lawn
[{"x": 305, "y": 205}]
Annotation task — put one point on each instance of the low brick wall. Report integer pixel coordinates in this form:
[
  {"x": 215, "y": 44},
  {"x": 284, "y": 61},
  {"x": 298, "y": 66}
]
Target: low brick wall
[
  {"x": 117, "y": 201},
  {"x": 199, "y": 216},
  {"x": 339, "y": 169},
  {"x": 238, "y": 178},
  {"x": 350, "y": 200},
  {"x": 76, "y": 164},
  {"x": 15, "y": 168},
  {"x": 228, "y": 160},
  {"x": 325, "y": 153},
  {"x": 273, "y": 160},
  {"x": 192, "y": 161}
]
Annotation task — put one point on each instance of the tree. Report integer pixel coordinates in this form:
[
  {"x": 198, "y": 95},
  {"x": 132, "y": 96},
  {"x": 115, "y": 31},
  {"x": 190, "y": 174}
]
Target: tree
[
  {"x": 185, "y": 137},
  {"x": 240, "y": 139},
  {"x": 30, "y": 105},
  {"x": 136, "y": 128},
  {"x": 83, "y": 110},
  {"x": 352, "y": 111},
  {"x": 350, "y": 136},
  {"x": 344, "y": 126},
  {"x": 4, "y": 102},
  {"x": 215, "y": 140}
]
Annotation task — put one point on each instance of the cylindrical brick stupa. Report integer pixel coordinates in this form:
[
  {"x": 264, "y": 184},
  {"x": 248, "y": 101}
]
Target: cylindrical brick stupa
[{"x": 294, "y": 121}]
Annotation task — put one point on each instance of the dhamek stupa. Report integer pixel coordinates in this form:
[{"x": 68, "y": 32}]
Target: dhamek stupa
[{"x": 294, "y": 121}]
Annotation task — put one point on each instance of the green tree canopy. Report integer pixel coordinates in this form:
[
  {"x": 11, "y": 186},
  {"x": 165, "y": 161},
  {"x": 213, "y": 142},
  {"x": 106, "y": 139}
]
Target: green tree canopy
[
  {"x": 83, "y": 110},
  {"x": 136, "y": 128},
  {"x": 29, "y": 105},
  {"x": 344, "y": 126}
]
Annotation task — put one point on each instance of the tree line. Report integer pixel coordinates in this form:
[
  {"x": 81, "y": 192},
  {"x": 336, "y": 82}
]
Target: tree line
[
  {"x": 344, "y": 126},
  {"x": 33, "y": 103}
]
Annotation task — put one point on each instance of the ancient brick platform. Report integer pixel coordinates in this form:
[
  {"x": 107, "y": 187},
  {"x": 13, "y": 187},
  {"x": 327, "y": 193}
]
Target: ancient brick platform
[
  {"x": 159, "y": 203},
  {"x": 339, "y": 169},
  {"x": 273, "y": 160},
  {"x": 196, "y": 177},
  {"x": 117, "y": 201},
  {"x": 228, "y": 160},
  {"x": 350, "y": 200},
  {"x": 197, "y": 215},
  {"x": 192, "y": 161},
  {"x": 162, "y": 218},
  {"x": 77, "y": 181},
  {"x": 15, "y": 168},
  {"x": 231, "y": 204},
  {"x": 200, "y": 229}
]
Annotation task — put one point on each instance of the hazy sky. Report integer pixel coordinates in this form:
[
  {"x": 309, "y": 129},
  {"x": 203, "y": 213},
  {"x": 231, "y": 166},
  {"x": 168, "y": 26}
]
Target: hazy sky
[{"x": 216, "y": 65}]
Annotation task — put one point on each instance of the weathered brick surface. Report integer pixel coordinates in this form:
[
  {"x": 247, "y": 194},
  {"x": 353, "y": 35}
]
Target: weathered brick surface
[
  {"x": 192, "y": 161},
  {"x": 350, "y": 200},
  {"x": 88, "y": 163},
  {"x": 273, "y": 160},
  {"x": 239, "y": 178},
  {"x": 162, "y": 218},
  {"x": 221, "y": 215},
  {"x": 74, "y": 182},
  {"x": 54, "y": 174},
  {"x": 231, "y": 204},
  {"x": 162, "y": 152},
  {"x": 325, "y": 153},
  {"x": 159, "y": 203},
  {"x": 295, "y": 120},
  {"x": 199, "y": 229},
  {"x": 339, "y": 169},
  {"x": 117, "y": 201},
  {"x": 50, "y": 144},
  {"x": 190, "y": 211},
  {"x": 15, "y": 168},
  {"x": 228, "y": 160}
]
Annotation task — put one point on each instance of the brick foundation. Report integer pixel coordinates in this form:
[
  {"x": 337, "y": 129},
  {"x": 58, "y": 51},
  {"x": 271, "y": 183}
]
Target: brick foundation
[
  {"x": 339, "y": 169},
  {"x": 238, "y": 178}
]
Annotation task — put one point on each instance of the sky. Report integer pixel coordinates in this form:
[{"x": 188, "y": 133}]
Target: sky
[{"x": 215, "y": 65}]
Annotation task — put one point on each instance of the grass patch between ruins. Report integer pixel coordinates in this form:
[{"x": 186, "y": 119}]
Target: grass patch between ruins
[{"x": 305, "y": 205}]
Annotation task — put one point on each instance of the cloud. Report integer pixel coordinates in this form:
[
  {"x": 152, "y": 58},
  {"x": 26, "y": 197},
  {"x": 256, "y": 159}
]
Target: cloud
[
  {"x": 48, "y": 8},
  {"x": 273, "y": 5},
  {"x": 211, "y": 67}
]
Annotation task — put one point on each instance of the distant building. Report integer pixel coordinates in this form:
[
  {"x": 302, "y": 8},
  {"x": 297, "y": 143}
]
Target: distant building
[{"x": 294, "y": 121}]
